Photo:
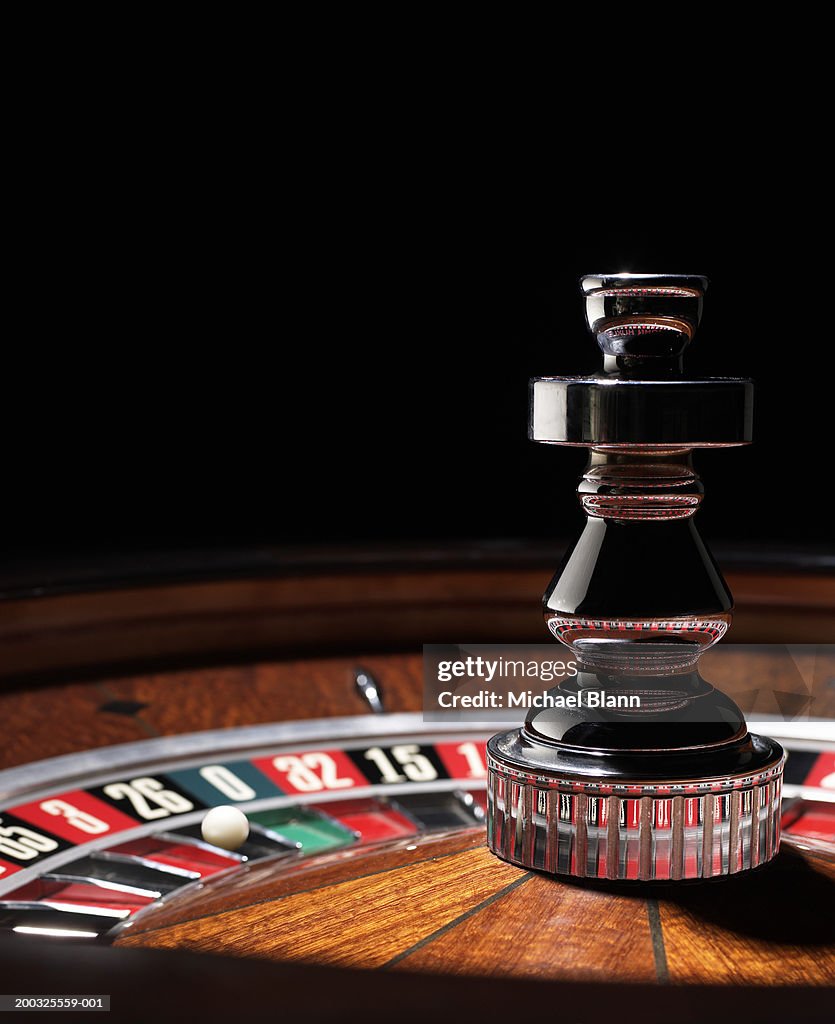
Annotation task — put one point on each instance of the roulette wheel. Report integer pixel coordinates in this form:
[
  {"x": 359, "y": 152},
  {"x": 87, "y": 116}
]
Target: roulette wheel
[
  {"x": 366, "y": 881},
  {"x": 386, "y": 872}
]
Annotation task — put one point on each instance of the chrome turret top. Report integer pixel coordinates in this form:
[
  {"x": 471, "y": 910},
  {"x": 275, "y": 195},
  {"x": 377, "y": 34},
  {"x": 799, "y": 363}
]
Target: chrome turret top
[{"x": 642, "y": 323}]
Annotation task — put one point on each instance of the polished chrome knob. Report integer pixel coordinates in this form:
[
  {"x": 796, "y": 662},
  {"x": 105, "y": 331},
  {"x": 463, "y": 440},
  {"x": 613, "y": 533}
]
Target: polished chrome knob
[{"x": 643, "y": 322}]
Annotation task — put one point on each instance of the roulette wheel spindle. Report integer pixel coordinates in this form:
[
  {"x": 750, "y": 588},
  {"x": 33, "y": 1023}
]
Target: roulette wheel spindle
[{"x": 641, "y": 770}]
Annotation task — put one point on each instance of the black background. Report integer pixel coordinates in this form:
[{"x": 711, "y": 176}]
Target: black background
[{"x": 351, "y": 364}]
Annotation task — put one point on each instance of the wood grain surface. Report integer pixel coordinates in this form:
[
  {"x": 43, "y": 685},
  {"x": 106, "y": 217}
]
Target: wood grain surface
[
  {"x": 60, "y": 718},
  {"x": 364, "y": 920},
  {"x": 53, "y": 719},
  {"x": 775, "y": 925},
  {"x": 544, "y": 929},
  {"x": 455, "y": 909},
  {"x": 262, "y": 882},
  {"x": 41, "y": 722}
]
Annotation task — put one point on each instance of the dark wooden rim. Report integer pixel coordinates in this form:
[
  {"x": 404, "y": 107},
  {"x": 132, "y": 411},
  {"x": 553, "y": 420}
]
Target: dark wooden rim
[
  {"x": 333, "y": 601},
  {"x": 46, "y": 575}
]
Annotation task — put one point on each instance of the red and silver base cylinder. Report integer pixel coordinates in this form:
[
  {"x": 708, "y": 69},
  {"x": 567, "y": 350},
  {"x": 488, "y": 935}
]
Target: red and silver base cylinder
[{"x": 546, "y": 812}]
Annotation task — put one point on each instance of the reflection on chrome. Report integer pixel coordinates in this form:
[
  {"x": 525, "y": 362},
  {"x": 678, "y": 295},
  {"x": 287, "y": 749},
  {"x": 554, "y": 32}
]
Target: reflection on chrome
[{"x": 58, "y": 933}]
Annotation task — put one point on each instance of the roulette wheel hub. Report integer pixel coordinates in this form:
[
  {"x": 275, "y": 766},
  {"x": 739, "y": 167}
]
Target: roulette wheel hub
[{"x": 638, "y": 768}]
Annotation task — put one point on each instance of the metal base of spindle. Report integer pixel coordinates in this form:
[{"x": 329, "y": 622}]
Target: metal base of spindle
[{"x": 547, "y": 812}]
